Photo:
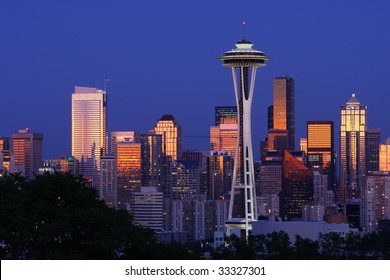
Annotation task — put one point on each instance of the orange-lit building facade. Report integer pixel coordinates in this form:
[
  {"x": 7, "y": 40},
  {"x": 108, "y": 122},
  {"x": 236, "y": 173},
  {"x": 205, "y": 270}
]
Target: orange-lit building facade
[
  {"x": 170, "y": 130},
  {"x": 27, "y": 152},
  {"x": 89, "y": 130},
  {"x": 128, "y": 160},
  {"x": 352, "y": 149},
  {"x": 320, "y": 145},
  {"x": 284, "y": 108},
  {"x": 297, "y": 187},
  {"x": 224, "y": 136},
  {"x": 384, "y": 156}
]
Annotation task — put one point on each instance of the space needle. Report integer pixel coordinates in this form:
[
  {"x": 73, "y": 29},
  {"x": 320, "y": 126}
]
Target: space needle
[{"x": 244, "y": 61}]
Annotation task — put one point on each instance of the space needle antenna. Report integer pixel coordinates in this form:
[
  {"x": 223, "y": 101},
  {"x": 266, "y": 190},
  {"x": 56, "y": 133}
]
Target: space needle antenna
[{"x": 243, "y": 29}]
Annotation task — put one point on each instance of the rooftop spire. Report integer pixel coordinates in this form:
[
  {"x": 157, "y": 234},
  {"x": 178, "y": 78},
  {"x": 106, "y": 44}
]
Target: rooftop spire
[{"x": 243, "y": 30}]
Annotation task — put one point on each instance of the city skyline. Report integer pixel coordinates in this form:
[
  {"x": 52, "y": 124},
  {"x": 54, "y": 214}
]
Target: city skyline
[{"x": 44, "y": 55}]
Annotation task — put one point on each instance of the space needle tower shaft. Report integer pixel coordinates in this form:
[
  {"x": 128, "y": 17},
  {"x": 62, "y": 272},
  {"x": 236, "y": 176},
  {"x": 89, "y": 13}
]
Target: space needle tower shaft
[{"x": 243, "y": 61}]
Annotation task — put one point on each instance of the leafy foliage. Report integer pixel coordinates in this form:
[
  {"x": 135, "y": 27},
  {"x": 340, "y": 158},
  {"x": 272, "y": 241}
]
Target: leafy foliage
[
  {"x": 58, "y": 217},
  {"x": 277, "y": 246}
]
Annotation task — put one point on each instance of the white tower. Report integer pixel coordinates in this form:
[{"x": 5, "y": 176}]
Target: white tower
[{"x": 243, "y": 61}]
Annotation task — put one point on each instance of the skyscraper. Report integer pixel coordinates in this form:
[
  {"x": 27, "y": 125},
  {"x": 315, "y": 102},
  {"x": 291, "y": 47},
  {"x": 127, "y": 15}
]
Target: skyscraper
[
  {"x": 27, "y": 152},
  {"x": 284, "y": 108},
  {"x": 122, "y": 136},
  {"x": 151, "y": 161},
  {"x": 243, "y": 61},
  {"x": 220, "y": 172},
  {"x": 224, "y": 136},
  {"x": 224, "y": 112},
  {"x": 352, "y": 149},
  {"x": 297, "y": 187},
  {"x": 384, "y": 156},
  {"x": 108, "y": 181},
  {"x": 170, "y": 130},
  {"x": 320, "y": 144},
  {"x": 372, "y": 149},
  {"x": 89, "y": 130},
  {"x": 128, "y": 160}
]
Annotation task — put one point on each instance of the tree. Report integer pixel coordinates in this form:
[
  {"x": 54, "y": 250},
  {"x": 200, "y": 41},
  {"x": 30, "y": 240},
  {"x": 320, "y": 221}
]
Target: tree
[
  {"x": 306, "y": 249},
  {"x": 58, "y": 217}
]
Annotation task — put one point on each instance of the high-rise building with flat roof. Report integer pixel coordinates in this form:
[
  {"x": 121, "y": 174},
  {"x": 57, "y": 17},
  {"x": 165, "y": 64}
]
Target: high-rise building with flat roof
[
  {"x": 170, "y": 130},
  {"x": 224, "y": 112},
  {"x": 151, "y": 161},
  {"x": 372, "y": 149},
  {"x": 384, "y": 156},
  {"x": 122, "y": 136},
  {"x": 89, "y": 130},
  {"x": 220, "y": 173},
  {"x": 224, "y": 136},
  {"x": 27, "y": 152},
  {"x": 128, "y": 160},
  {"x": 297, "y": 187},
  {"x": 284, "y": 108},
  {"x": 147, "y": 208},
  {"x": 108, "y": 180},
  {"x": 321, "y": 151},
  {"x": 352, "y": 149}
]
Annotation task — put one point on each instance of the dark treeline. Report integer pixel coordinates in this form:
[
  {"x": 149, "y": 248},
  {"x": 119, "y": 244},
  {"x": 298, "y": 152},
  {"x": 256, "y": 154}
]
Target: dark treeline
[
  {"x": 277, "y": 246},
  {"x": 56, "y": 216}
]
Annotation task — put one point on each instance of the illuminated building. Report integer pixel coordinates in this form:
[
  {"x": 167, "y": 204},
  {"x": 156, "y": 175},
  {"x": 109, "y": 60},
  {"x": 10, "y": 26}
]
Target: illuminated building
[
  {"x": 297, "y": 187},
  {"x": 373, "y": 142},
  {"x": 284, "y": 108},
  {"x": 27, "y": 152},
  {"x": 151, "y": 161},
  {"x": 108, "y": 181},
  {"x": 384, "y": 156},
  {"x": 224, "y": 112},
  {"x": 375, "y": 200},
  {"x": 122, "y": 136},
  {"x": 170, "y": 130},
  {"x": 224, "y": 136},
  {"x": 194, "y": 155},
  {"x": 5, "y": 156},
  {"x": 271, "y": 178},
  {"x": 243, "y": 61},
  {"x": 128, "y": 160},
  {"x": 185, "y": 179},
  {"x": 220, "y": 171},
  {"x": 321, "y": 152},
  {"x": 277, "y": 140},
  {"x": 352, "y": 149},
  {"x": 147, "y": 208},
  {"x": 303, "y": 145},
  {"x": 89, "y": 131},
  {"x": 63, "y": 164}
]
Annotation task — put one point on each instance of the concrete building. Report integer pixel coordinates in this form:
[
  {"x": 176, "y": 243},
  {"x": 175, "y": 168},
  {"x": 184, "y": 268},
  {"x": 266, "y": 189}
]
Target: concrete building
[{"x": 147, "y": 208}]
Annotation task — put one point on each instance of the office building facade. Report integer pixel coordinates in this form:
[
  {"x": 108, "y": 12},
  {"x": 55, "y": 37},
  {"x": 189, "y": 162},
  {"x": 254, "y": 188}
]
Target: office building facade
[
  {"x": 27, "y": 152},
  {"x": 352, "y": 149},
  {"x": 89, "y": 131},
  {"x": 284, "y": 108}
]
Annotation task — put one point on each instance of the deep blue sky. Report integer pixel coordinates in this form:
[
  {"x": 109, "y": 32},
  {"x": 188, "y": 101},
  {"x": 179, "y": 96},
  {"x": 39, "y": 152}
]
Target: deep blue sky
[{"x": 161, "y": 57}]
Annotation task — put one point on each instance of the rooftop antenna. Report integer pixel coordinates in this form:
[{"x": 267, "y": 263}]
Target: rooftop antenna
[
  {"x": 105, "y": 84},
  {"x": 243, "y": 30}
]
